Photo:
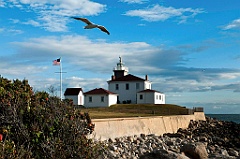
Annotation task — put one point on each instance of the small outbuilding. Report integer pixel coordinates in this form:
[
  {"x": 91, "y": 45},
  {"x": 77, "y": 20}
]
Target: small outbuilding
[
  {"x": 76, "y": 94},
  {"x": 149, "y": 96},
  {"x": 99, "y": 97}
]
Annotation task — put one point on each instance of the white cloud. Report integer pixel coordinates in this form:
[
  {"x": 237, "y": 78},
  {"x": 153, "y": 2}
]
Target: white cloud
[
  {"x": 85, "y": 83},
  {"x": 15, "y": 21},
  {"x": 229, "y": 75},
  {"x": 161, "y": 13},
  {"x": 235, "y": 24},
  {"x": 19, "y": 70},
  {"x": 2, "y": 3},
  {"x": 53, "y": 15},
  {"x": 73, "y": 48},
  {"x": 160, "y": 64},
  {"x": 15, "y": 31},
  {"x": 134, "y": 1},
  {"x": 32, "y": 22},
  {"x": 9, "y": 30},
  {"x": 217, "y": 107}
]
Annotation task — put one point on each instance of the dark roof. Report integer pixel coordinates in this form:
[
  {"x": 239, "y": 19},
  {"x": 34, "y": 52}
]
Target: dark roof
[
  {"x": 128, "y": 77},
  {"x": 72, "y": 91},
  {"x": 99, "y": 91},
  {"x": 148, "y": 90}
]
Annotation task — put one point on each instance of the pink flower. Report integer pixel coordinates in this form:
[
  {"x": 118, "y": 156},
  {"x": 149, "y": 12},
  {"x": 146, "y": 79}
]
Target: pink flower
[{"x": 1, "y": 137}]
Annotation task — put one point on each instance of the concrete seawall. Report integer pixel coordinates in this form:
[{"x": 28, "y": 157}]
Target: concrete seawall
[{"x": 119, "y": 127}]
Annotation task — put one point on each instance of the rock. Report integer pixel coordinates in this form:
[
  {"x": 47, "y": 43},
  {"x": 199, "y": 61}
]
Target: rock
[
  {"x": 141, "y": 151},
  {"x": 211, "y": 149},
  {"x": 163, "y": 154},
  {"x": 130, "y": 138},
  {"x": 169, "y": 142},
  {"x": 110, "y": 140},
  {"x": 195, "y": 150},
  {"x": 143, "y": 136},
  {"x": 224, "y": 152},
  {"x": 178, "y": 140},
  {"x": 112, "y": 147},
  {"x": 233, "y": 152},
  {"x": 180, "y": 156},
  {"x": 174, "y": 135},
  {"x": 137, "y": 142},
  {"x": 202, "y": 139}
]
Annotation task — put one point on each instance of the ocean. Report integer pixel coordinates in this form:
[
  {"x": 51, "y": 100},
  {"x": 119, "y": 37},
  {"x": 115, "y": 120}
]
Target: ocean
[{"x": 226, "y": 117}]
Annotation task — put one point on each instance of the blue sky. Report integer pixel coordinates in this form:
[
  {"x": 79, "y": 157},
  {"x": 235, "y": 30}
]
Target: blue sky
[{"x": 189, "y": 49}]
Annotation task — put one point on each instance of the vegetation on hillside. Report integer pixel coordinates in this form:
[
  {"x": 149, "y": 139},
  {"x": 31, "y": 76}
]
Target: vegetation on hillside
[
  {"x": 36, "y": 125},
  {"x": 136, "y": 110}
]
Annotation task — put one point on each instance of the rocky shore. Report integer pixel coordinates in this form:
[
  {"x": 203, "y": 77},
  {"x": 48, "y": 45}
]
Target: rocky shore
[{"x": 212, "y": 139}]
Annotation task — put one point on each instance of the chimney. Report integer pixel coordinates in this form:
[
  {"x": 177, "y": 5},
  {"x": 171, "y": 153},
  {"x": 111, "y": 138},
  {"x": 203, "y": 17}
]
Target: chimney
[
  {"x": 146, "y": 77},
  {"x": 113, "y": 77}
]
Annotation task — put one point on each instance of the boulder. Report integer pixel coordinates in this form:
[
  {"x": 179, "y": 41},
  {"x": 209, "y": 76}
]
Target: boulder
[
  {"x": 233, "y": 152},
  {"x": 195, "y": 150},
  {"x": 163, "y": 154}
]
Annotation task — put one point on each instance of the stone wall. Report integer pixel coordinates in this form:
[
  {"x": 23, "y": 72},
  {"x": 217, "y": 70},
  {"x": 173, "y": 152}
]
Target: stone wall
[{"x": 158, "y": 125}]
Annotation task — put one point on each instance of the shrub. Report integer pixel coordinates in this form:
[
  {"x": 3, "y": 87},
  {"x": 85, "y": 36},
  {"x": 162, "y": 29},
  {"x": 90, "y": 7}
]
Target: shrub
[{"x": 34, "y": 125}]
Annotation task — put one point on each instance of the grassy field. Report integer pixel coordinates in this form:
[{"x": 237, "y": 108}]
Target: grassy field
[{"x": 135, "y": 110}]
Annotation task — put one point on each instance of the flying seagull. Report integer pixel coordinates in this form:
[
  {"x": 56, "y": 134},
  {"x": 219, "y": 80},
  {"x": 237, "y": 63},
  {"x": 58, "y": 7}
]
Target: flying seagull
[{"x": 90, "y": 25}]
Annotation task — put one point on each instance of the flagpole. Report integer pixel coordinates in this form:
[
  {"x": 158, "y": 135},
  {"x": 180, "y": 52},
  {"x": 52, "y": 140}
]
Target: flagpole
[
  {"x": 60, "y": 79},
  {"x": 59, "y": 63}
]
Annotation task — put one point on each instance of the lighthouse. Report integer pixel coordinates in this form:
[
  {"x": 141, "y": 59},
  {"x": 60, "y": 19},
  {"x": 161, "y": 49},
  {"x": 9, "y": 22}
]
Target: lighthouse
[{"x": 120, "y": 70}]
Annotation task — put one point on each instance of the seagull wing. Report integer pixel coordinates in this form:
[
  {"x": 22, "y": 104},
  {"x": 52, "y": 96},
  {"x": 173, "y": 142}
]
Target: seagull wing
[
  {"x": 83, "y": 20},
  {"x": 102, "y": 28}
]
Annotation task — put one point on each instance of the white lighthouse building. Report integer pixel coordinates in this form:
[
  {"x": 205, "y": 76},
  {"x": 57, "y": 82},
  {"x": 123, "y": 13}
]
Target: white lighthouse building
[{"x": 130, "y": 88}]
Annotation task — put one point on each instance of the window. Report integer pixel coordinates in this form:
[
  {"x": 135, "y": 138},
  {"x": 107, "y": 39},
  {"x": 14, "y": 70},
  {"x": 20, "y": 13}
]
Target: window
[
  {"x": 116, "y": 86},
  {"x": 102, "y": 98},
  {"x": 90, "y": 99},
  {"x": 141, "y": 96},
  {"x": 160, "y": 97},
  {"x": 127, "y": 86},
  {"x": 157, "y": 97},
  {"x": 137, "y": 85}
]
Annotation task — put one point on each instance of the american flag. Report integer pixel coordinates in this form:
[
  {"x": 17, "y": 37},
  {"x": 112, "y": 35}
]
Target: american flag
[{"x": 57, "y": 61}]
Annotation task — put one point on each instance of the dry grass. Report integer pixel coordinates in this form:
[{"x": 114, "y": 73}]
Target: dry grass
[{"x": 135, "y": 110}]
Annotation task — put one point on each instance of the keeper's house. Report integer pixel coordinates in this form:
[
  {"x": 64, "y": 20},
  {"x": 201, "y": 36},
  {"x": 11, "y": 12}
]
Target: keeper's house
[{"x": 99, "y": 97}]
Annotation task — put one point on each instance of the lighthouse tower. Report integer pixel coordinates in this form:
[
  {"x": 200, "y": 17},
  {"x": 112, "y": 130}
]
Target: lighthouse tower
[{"x": 120, "y": 70}]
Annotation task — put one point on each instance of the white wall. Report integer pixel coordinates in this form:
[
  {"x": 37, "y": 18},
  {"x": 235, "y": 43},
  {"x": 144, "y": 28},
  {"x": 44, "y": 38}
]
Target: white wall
[
  {"x": 96, "y": 100},
  {"x": 160, "y": 99},
  {"x": 150, "y": 98},
  {"x": 164, "y": 99},
  {"x": 81, "y": 98},
  {"x": 147, "y": 98},
  {"x": 77, "y": 99},
  {"x": 73, "y": 97},
  {"x": 130, "y": 94},
  {"x": 148, "y": 85},
  {"x": 112, "y": 99}
]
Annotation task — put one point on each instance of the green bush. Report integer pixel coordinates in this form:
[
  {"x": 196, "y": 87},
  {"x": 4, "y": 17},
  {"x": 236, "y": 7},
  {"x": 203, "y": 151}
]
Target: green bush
[{"x": 35, "y": 125}]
